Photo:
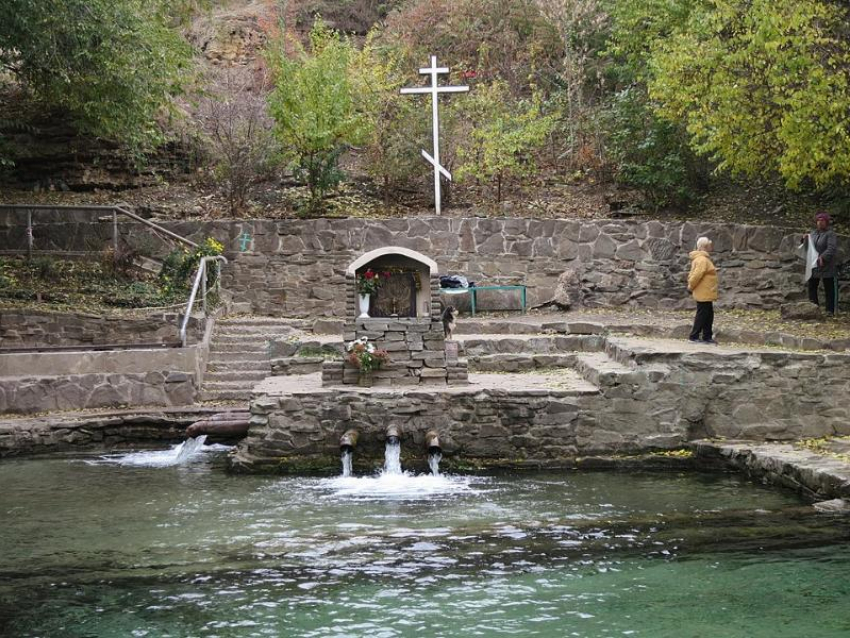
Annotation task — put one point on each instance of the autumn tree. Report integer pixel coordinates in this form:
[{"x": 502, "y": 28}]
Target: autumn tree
[
  {"x": 762, "y": 86},
  {"x": 314, "y": 107}
]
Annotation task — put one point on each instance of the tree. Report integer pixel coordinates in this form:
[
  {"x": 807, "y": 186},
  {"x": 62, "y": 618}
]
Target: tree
[
  {"x": 112, "y": 65},
  {"x": 237, "y": 133},
  {"x": 314, "y": 108},
  {"x": 504, "y": 135},
  {"x": 394, "y": 130},
  {"x": 762, "y": 86}
]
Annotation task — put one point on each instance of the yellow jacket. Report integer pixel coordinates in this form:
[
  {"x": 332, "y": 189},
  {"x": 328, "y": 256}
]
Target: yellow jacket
[{"x": 702, "y": 280}]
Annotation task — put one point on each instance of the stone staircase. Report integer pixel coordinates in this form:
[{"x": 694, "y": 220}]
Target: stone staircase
[{"x": 239, "y": 356}]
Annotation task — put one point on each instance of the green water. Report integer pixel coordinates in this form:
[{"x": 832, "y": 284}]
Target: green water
[{"x": 111, "y": 551}]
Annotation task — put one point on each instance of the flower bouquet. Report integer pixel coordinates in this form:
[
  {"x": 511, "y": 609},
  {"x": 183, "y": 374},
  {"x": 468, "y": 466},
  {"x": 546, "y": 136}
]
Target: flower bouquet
[
  {"x": 364, "y": 355},
  {"x": 369, "y": 282}
]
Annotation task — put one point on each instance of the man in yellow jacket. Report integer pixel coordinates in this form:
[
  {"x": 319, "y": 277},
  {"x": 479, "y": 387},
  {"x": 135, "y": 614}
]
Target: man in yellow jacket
[{"x": 702, "y": 282}]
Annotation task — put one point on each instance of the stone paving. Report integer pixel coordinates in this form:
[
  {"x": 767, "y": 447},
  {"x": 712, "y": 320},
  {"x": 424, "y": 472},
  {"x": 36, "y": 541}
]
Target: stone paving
[{"x": 560, "y": 379}]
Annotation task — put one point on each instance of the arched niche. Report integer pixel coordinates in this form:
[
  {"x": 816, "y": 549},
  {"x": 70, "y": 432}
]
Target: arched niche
[{"x": 408, "y": 268}]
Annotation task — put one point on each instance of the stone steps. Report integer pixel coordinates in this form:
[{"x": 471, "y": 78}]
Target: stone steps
[
  {"x": 248, "y": 338},
  {"x": 226, "y": 358},
  {"x": 256, "y": 365},
  {"x": 237, "y": 376},
  {"x": 296, "y": 324},
  {"x": 479, "y": 345},
  {"x": 255, "y": 347},
  {"x": 241, "y": 395},
  {"x": 239, "y": 355},
  {"x": 520, "y": 362},
  {"x": 598, "y": 368},
  {"x": 467, "y": 326}
]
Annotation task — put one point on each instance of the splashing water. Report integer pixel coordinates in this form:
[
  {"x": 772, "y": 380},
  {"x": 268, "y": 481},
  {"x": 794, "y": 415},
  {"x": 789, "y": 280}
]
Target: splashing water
[
  {"x": 180, "y": 454},
  {"x": 392, "y": 459},
  {"x": 434, "y": 463},
  {"x": 346, "y": 463}
]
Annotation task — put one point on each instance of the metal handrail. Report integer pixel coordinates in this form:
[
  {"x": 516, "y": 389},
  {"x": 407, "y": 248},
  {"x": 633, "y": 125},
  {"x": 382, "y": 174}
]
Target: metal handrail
[{"x": 200, "y": 282}]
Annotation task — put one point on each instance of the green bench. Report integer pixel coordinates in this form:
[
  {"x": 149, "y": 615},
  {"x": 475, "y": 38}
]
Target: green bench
[{"x": 473, "y": 291}]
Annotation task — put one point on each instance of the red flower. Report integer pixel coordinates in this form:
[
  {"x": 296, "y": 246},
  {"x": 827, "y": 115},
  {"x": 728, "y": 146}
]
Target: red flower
[
  {"x": 387, "y": 274},
  {"x": 369, "y": 274}
]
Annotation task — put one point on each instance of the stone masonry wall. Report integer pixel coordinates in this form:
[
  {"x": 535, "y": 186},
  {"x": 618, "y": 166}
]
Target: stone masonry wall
[
  {"x": 297, "y": 267},
  {"x": 28, "y": 395},
  {"x": 31, "y": 328},
  {"x": 645, "y": 401}
]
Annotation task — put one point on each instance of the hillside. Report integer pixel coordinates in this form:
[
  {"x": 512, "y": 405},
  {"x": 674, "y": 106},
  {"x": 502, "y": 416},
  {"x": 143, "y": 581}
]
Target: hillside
[{"x": 579, "y": 177}]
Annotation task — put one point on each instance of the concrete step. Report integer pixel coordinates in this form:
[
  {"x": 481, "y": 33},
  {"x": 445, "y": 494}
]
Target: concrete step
[
  {"x": 469, "y": 325},
  {"x": 479, "y": 345},
  {"x": 520, "y": 362},
  {"x": 247, "y": 339},
  {"x": 226, "y": 395},
  {"x": 237, "y": 356},
  {"x": 236, "y": 376},
  {"x": 600, "y": 369},
  {"x": 216, "y": 386},
  {"x": 253, "y": 347},
  {"x": 263, "y": 365},
  {"x": 255, "y": 330},
  {"x": 298, "y": 324}
]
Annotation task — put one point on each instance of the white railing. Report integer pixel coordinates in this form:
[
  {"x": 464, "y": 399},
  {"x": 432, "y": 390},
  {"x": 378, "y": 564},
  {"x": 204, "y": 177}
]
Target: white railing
[{"x": 201, "y": 283}]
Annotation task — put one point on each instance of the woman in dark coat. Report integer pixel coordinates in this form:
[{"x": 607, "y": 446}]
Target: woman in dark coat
[{"x": 825, "y": 242}]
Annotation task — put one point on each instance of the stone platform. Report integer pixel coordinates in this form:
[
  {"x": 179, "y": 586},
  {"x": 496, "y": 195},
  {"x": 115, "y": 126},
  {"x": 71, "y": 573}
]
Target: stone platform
[{"x": 593, "y": 393}]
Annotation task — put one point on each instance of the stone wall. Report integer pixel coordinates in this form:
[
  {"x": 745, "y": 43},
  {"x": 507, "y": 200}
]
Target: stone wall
[
  {"x": 644, "y": 400},
  {"x": 416, "y": 349},
  {"x": 32, "y": 328},
  {"x": 297, "y": 267},
  {"x": 27, "y": 395}
]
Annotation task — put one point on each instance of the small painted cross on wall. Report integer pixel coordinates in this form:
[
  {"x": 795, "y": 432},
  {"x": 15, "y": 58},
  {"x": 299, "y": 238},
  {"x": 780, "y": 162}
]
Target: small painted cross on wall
[{"x": 245, "y": 240}]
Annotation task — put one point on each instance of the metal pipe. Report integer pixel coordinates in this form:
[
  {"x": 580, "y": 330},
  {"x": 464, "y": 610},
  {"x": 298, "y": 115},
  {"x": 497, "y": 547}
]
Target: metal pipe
[
  {"x": 432, "y": 443},
  {"x": 348, "y": 441},
  {"x": 393, "y": 434},
  {"x": 174, "y": 236}
]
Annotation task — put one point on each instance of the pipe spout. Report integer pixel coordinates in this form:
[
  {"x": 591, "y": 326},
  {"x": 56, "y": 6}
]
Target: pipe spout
[
  {"x": 393, "y": 434},
  {"x": 348, "y": 441},
  {"x": 432, "y": 443}
]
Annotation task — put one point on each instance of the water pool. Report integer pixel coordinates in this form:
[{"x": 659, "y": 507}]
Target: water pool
[{"x": 97, "y": 548}]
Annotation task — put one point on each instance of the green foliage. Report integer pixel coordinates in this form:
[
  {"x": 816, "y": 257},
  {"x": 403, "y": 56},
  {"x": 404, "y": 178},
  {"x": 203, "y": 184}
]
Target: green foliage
[
  {"x": 762, "y": 86},
  {"x": 314, "y": 108},
  {"x": 395, "y": 127},
  {"x": 504, "y": 137},
  {"x": 113, "y": 65},
  {"x": 650, "y": 154},
  {"x": 179, "y": 266}
]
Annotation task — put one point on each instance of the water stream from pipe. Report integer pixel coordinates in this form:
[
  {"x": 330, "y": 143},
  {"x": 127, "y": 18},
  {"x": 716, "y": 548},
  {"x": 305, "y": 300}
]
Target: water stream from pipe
[
  {"x": 434, "y": 463},
  {"x": 346, "y": 463},
  {"x": 392, "y": 458}
]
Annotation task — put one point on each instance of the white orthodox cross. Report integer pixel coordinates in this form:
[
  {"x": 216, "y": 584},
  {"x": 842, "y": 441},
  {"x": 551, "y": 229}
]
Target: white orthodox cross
[{"x": 434, "y": 160}]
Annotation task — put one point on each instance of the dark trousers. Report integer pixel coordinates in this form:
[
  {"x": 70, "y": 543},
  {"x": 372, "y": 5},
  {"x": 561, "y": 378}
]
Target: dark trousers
[
  {"x": 829, "y": 286},
  {"x": 704, "y": 321}
]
